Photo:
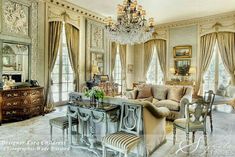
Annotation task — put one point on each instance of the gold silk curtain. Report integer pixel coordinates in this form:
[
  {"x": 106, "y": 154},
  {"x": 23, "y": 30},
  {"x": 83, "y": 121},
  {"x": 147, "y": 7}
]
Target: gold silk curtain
[
  {"x": 207, "y": 43},
  {"x": 72, "y": 38},
  {"x": 148, "y": 54},
  {"x": 161, "y": 51},
  {"x": 122, "y": 52},
  {"x": 55, "y": 29},
  {"x": 226, "y": 43},
  {"x": 113, "y": 57}
]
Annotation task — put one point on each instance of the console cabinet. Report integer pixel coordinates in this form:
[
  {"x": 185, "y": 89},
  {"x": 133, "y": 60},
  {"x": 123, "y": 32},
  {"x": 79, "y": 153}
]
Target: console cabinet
[{"x": 20, "y": 104}]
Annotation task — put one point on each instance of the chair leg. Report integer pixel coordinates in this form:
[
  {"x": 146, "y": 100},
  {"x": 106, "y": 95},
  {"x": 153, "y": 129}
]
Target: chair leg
[
  {"x": 63, "y": 136},
  {"x": 187, "y": 139},
  {"x": 51, "y": 132},
  {"x": 125, "y": 154},
  {"x": 138, "y": 148},
  {"x": 205, "y": 138},
  {"x": 67, "y": 133},
  {"x": 120, "y": 154},
  {"x": 104, "y": 151},
  {"x": 174, "y": 134},
  {"x": 193, "y": 137},
  {"x": 211, "y": 122}
]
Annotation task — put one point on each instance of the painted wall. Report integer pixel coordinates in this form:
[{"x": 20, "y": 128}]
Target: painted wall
[
  {"x": 182, "y": 36},
  {"x": 138, "y": 63}
]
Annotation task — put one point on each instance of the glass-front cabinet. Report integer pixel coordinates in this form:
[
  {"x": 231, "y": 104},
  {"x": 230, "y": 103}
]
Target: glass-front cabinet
[{"x": 15, "y": 61}]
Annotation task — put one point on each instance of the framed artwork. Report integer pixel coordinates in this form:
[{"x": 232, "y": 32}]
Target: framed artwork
[
  {"x": 182, "y": 66},
  {"x": 182, "y": 51},
  {"x": 130, "y": 68}
]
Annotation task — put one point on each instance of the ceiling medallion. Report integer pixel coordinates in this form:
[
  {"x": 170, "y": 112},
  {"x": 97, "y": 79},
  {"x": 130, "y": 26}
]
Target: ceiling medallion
[{"x": 131, "y": 26}]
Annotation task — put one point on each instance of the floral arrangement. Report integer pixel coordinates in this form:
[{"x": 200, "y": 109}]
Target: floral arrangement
[{"x": 95, "y": 93}]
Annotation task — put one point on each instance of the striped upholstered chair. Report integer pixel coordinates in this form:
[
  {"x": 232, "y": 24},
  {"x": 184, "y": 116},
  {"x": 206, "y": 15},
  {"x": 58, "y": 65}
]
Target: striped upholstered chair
[{"x": 128, "y": 135}]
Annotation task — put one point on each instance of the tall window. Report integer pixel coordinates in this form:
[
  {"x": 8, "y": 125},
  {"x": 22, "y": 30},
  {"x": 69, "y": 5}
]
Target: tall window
[
  {"x": 154, "y": 74},
  {"x": 117, "y": 72},
  {"x": 216, "y": 74},
  {"x": 62, "y": 74}
]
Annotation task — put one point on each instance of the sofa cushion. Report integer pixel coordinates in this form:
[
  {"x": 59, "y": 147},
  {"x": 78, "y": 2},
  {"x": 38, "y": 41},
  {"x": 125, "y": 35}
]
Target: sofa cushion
[
  {"x": 175, "y": 93},
  {"x": 131, "y": 94},
  {"x": 171, "y": 105},
  {"x": 144, "y": 92},
  {"x": 159, "y": 92},
  {"x": 149, "y": 99}
]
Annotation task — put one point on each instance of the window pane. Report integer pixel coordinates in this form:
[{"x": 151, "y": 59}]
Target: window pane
[
  {"x": 62, "y": 74},
  {"x": 56, "y": 69},
  {"x": 55, "y": 78},
  {"x": 65, "y": 96},
  {"x": 152, "y": 71},
  {"x": 70, "y": 87},
  {"x": 117, "y": 72},
  {"x": 224, "y": 77},
  {"x": 64, "y": 87},
  {"x": 56, "y": 97},
  {"x": 55, "y": 88}
]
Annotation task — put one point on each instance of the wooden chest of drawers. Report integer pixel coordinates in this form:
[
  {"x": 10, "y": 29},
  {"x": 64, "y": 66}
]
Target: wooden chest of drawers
[{"x": 20, "y": 104}]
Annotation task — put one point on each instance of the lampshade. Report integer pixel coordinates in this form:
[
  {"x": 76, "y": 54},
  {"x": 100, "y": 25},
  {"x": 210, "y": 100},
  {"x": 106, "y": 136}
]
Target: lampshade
[
  {"x": 192, "y": 70},
  {"x": 172, "y": 70},
  {"x": 95, "y": 69}
]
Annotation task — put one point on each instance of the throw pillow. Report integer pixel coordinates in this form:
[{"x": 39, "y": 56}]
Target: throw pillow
[
  {"x": 144, "y": 92},
  {"x": 150, "y": 99},
  {"x": 175, "y": 93},
  {"x": 159, "y": 92}
]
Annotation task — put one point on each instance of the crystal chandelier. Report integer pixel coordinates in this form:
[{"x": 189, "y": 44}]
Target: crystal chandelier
[{"x": 131, "y": 26}]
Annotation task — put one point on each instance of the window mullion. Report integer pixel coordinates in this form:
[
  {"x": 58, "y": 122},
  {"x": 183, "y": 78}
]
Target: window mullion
[{"x": 216, "y": 68}]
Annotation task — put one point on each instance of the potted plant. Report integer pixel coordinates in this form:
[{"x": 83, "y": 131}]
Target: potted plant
[{"x": 96, "y": 94}]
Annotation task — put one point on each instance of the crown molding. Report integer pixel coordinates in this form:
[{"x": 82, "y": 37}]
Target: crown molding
[
  {"x": 76, "y": 9},
  {"x": 200, "y": 20}
]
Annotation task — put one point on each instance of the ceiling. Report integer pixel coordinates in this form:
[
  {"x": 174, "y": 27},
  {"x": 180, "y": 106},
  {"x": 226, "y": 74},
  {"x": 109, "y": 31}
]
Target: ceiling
[{"x": 163, "y": 11}]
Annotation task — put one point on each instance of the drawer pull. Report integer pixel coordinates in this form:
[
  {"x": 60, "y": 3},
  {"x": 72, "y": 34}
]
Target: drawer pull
[
  {"x": 9, "y": 95},
  {"x": 9, "y": 112}
]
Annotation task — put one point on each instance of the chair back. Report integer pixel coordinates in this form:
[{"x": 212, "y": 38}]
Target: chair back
[
  {"x": 198, "y": 115},
  {"x": 131, "y": 118},
  {"x": 209, "y": 97}
]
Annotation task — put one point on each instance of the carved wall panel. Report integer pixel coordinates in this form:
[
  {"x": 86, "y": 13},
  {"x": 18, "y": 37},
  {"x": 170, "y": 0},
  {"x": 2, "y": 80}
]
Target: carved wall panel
[
  {"x": 15, "y": 18},
  {"x": 35, "y": 55},
  {"x": 19, "y": 24},
  {"x": 95, "y": 43}
]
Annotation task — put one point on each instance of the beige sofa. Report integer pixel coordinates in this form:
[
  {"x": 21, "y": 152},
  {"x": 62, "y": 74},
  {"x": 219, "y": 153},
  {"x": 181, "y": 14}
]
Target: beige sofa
[
  {"x": 173, "y": 97},
  {"x": 154, "y": 120}
]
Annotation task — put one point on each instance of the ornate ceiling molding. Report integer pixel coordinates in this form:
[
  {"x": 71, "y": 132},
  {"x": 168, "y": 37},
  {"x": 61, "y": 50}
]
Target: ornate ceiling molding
[
  {"x": 217, "y": 27},
  {"x": 200, "y": 21},
  {"x": 59, "y": 14},
  {"x": 76, "y": 9}
]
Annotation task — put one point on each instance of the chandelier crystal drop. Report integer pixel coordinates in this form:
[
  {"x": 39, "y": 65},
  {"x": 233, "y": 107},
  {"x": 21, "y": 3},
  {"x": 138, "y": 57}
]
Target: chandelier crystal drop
[{"x": 131, "y": 26}]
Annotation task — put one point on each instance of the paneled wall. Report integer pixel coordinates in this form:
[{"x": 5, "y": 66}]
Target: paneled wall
[
  {"x": 24, "y": 29},
  {"x": 182, "y": 36},
  {"x": 187, "y": 32}
]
